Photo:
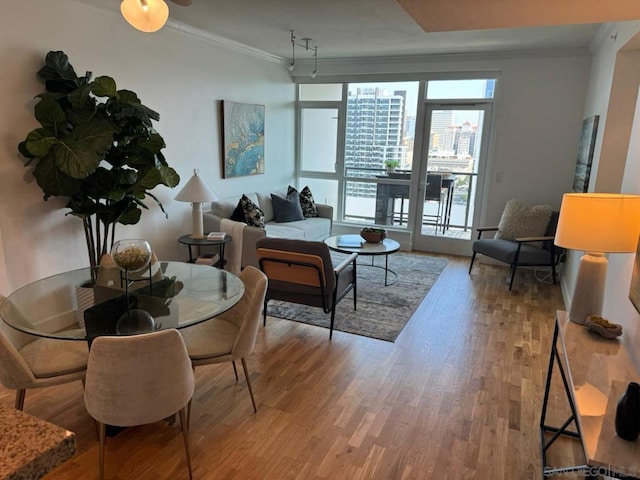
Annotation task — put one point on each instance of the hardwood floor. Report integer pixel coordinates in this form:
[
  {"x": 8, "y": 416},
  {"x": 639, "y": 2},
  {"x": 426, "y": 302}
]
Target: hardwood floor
[{"x": 457, "y": 396}]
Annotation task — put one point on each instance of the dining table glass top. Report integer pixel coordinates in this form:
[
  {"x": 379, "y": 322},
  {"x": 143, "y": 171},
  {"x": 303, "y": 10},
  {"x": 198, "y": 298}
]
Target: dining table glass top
[{"x": 82, "y": 304}]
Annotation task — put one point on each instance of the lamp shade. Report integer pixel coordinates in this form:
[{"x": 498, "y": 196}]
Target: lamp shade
[
  {"x": 195, "y": 190},
  {"x": 599, "y": 222},
  {"x": 145, "y": 15}
]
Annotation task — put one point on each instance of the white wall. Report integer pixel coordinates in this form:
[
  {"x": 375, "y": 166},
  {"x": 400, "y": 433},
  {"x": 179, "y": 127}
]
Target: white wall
[
  {"x": 537, "y": 121},
  {"x": 179, "y": 75},
  {"x": 613, "y": 94}
]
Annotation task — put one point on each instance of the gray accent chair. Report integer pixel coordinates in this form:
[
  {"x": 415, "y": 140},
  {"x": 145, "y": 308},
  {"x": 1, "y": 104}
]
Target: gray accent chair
[
  {"x": 232, "y": 335},
  {"x": 27, "y": 361},
  {"x": 521, "y": 252},
  {"x": 302, "y": 272},
  {"x": 138, "y": 379}
]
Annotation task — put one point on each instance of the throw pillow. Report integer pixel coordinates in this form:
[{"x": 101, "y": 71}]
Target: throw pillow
[
  {"x": 252, "y": 213},
  {"x": 238, "y": 213},
  {"x": 287, "y": 209},
  {"x": 519, "y": 220},
  {"x": 307, "y": 202}
]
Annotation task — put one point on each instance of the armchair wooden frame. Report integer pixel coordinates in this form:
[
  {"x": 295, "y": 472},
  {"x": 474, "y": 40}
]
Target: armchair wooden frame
[
  {"x": 519, "y": 243},
  {"x": 307, "y": 272}
]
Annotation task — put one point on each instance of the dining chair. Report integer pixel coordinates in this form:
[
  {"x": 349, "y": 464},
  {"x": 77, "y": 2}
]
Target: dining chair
[
  {"x": 433, "y": 193},
  {"x": 138, "y": 379},
  {"x": 28, "y": 362},
  {"x": 230, "y": 336}
]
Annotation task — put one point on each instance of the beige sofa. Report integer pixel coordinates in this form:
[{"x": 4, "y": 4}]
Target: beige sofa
[{"x": 312, "y": 228}]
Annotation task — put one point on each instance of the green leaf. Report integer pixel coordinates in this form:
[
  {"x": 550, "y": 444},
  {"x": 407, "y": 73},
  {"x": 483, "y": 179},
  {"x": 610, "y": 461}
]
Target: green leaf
[
  {"x": 52, "y": 181},
  {"x": 81, "y": 151},
  {"x": 104, "y": 87},
  {"x": 154, "y": 143},
  {"x": 57, "y": 66},
  {"x": 51, "y": 116},
  {"x": 39, "y": 142},
  {"x": 22, "y": 148},
  {"x": 80, "y": 97},
  {"x": 150, "y": 179},
  {"x": 131, "y": 216},
  {"x": 169, "y": 176}
]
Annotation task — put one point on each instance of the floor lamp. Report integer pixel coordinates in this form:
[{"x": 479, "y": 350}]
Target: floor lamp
[
  {"x": 596, "y": 223},
  {"x": 196, "y": 192}
]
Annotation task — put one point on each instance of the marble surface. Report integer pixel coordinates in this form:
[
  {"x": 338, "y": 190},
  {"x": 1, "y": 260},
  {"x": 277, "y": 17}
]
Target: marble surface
[
  {"x": 31, "y": 447},
  {"x": 599, "y": 371}
]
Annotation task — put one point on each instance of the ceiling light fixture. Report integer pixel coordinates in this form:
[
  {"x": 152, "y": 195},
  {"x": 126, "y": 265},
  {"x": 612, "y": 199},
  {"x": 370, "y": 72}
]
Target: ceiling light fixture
[
  {"x": 304, "y": 44},
  {"x": 145, "y": 15}
]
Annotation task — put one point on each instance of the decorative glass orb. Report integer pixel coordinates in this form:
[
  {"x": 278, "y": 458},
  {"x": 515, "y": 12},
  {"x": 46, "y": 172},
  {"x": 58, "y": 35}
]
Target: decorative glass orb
[
  {"x": 135, "y": 321},
  {"x": 131, "y": 255}
]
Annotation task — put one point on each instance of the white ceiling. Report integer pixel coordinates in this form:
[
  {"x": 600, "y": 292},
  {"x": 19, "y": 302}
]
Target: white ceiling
[{"x": 361, "y": 28}]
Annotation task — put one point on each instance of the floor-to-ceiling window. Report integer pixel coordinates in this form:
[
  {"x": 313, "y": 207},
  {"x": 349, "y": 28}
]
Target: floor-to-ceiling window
[{"x": 367, "y": 148}]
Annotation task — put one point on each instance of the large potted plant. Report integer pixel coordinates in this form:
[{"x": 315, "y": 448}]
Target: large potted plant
[{"x": 96, "y": 146}]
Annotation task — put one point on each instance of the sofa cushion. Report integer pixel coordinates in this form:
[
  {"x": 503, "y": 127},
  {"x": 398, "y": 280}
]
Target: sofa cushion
[
  {"x": 252, "y": 213},
  {"x": 224, "y": 207},
  {"x": 317, "y": 228},
  {"x": 287, "y": 209}
]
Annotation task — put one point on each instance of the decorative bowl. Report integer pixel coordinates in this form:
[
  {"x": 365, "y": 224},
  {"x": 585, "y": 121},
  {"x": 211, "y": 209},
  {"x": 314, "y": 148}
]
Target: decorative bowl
[
  {"x": 373, "y": 235},
  {"x": 131, "y": 255}
]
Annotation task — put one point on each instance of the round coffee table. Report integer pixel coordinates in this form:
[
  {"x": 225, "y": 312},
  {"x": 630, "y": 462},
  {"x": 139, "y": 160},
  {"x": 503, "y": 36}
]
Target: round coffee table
[{"x": 356, "y": 244}]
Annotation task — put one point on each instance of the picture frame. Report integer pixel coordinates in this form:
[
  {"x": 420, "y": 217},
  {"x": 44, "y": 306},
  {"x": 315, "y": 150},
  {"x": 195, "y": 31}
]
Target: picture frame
[
  {"x": 243, "y": 139},
  {"x": 586, "y": 147}
]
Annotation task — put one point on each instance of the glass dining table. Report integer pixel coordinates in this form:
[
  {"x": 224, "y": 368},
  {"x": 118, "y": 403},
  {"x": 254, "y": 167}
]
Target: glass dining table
[{"x": 83, "y": 304}]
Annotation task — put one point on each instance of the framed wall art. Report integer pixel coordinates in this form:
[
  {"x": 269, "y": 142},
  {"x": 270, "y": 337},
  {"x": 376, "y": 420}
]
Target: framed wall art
[
  {"x": 586, "y": 147},
  {"x": 243, "y": 139}
]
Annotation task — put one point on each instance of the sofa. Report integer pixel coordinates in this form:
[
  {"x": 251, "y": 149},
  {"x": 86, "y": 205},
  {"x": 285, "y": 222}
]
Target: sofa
[{"x": 311, "y": 228}]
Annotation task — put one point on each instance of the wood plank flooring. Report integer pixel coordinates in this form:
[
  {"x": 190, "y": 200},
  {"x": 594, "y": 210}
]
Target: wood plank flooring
[{"x": 457, "y": 396}]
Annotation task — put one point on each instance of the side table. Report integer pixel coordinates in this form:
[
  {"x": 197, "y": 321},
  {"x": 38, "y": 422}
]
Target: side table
[
  {"x": 205, "y": 242},
  {"x": 595, "y": 373}
]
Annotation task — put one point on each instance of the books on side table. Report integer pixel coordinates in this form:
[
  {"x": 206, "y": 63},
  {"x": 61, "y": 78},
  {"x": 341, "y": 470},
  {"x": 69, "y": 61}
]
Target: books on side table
[
  {"x": 208, "y": 259},
  {"x": 350, "y": 241},
  {"x": 216, "y": 236}
]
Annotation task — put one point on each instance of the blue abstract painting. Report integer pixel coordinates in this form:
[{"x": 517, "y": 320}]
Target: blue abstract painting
[{"x": 243, "y": 126}]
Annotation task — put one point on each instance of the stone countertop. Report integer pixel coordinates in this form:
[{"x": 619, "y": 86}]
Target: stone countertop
[{"x": 31, "y": 447}]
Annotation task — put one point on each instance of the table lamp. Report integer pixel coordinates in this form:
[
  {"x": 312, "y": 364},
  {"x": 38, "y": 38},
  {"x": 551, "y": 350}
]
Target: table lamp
[
  {"x": 196, "y": 192},
  {"x": 596, "y": 223}
]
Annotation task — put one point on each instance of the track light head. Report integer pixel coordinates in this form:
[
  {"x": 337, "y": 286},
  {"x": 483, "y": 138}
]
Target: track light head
[
  {"x": 291, "y": 66},
  {"x": 306, "y": 44},
  {"x": 313, "y": 74}
]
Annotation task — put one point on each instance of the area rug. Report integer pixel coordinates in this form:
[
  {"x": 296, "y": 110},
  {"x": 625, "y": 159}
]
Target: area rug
[{"x": 383, "y": 311}]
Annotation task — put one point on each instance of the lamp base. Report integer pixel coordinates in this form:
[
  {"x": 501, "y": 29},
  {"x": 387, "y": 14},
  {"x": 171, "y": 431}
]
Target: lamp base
[
  {"x": 196, "y": 216},
  {"x": 588, "y": 294}
]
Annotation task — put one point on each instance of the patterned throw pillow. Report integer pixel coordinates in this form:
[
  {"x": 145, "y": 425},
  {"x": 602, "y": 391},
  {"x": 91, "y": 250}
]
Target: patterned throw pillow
[
  {"x": 238, "y": 213},
  {"x": 252, "y": 213},
  {"x": 306, "y": 201},
  {"x": 519, "y": 220}
]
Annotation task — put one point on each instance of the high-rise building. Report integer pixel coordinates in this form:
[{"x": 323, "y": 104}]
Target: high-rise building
[
  {"x": 441, "y": 120},
  {"x": 375, "y": 133}
]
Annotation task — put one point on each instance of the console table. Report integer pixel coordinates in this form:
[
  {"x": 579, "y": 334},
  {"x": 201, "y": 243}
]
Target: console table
[{"x": 595, "y": 373}]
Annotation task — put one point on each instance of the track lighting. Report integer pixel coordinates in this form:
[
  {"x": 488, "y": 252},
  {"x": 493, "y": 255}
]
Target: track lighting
[{"x": 304, "y": 44}]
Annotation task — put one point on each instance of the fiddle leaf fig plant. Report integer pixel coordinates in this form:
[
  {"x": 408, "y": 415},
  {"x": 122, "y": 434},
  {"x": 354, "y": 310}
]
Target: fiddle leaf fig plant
[{"x": 96, "y": 145}]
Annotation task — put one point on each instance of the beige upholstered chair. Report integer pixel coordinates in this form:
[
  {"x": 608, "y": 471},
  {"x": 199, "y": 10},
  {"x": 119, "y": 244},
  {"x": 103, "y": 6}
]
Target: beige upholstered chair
[
  {"x": 232, "y": 335},
  {"x": 27, "y": 361},
  {"x": 138, "y": 379}
]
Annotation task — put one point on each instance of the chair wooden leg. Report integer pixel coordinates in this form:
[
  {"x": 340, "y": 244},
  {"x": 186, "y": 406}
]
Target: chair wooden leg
[
  {"x": 102, "y": 433},
  {"x": 513, "y": 274},
  {"x": 185, "y": 435},
  {"x": 235, "y": 370},
  {"x": 20, "y": 394},
  {"x": 246, "y": 374},
  {"x": 333, "y": 317}
]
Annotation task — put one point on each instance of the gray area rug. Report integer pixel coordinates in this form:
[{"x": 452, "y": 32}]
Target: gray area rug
[{"x": 382, "y": 311}]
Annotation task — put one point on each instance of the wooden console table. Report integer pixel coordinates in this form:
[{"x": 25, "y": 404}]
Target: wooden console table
[{"x": 595, "y": 373}]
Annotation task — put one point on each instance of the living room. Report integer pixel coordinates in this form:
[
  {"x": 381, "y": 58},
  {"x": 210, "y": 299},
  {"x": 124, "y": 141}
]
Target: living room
[{"x": 543, "y": 98}]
